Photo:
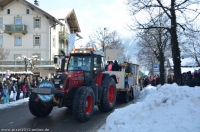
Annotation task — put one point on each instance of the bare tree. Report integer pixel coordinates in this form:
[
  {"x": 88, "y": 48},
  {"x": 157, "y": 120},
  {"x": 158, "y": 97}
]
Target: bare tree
[
  {"x": 191, "y": 40},
  {"x": 3, "y": 53},
  {"x": 104, "y": 39},
  {"x": 154, "y": 43},
  {"x": 171, "y": 9}
]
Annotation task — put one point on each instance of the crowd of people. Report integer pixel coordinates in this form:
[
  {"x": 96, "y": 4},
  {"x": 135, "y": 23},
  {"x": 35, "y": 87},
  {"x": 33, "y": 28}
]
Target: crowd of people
[
  {"x": 188, "y": 78},
  {"x": 17, "y": 84}
]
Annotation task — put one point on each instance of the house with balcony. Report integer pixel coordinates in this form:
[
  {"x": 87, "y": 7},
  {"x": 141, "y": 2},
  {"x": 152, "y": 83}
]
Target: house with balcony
[{"x": 28, "y": 31}]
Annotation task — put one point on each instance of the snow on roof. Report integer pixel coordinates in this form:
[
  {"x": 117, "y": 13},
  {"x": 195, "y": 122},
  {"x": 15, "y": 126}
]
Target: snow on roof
[
  {"x": 17, "y": 72},
  {"x": 184, "y": 62}
]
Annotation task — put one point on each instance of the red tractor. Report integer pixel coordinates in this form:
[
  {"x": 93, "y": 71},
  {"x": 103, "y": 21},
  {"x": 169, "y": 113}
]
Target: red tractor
[{"x": 80, "y": 84}]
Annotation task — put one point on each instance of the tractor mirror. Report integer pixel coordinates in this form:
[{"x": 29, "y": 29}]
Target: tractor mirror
[
  {"x": 55, "y": 61},
  {"x": 98, "y": 59}
]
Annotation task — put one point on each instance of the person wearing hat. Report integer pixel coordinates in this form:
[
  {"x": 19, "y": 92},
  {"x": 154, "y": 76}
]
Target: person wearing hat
[{"x": 5, "y": 94}]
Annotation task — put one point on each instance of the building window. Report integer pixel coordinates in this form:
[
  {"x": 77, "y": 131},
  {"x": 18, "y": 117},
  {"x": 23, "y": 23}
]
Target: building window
[
  {"x": 18, "y": 40},
  {"x": 18, "y": 20},
  {"x": 1, "y": 22},
  {"x": 17, "y": 56},
  {"x": 36, "y": 40},
  {"x": 1, "y": 40},
  {"x": 37, "y": 23},
  {"x": 27, "y": 11},
  {"x": 8, "y": 11}
]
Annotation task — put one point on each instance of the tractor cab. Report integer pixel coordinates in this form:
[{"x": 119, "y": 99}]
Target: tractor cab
[
  {"x": 87, "y": 61},
  {"x": 83, "y": 62}
]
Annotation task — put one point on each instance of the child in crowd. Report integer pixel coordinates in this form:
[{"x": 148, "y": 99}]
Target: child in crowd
[{"x": 5, "y": 94}]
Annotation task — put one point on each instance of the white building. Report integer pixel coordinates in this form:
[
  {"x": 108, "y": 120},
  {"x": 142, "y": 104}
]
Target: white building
[{"x": 28, "y": 30}]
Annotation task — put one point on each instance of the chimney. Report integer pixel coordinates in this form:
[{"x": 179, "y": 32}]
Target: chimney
[{"x": 36, "y": 2}]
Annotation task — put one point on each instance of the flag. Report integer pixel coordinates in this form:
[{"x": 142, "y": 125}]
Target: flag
[{"x": 71, "y": 42}]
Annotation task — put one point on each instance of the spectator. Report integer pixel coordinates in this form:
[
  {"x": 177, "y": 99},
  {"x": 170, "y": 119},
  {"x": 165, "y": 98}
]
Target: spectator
[
  {"x": 28, "y": 87},
  {"x": 5, "y": 94},
  {"x": 14, "y": 89},
  {"x": 157, "y": 80},
  {"x": 115, "y": 66},
  {"x": 1, "y": 90},
  {"x": 24, "y": 90},
  {"x": 19, "y": 86},
  {"x": 9, "y": 84},
  {"x": 46, "y": 78}
]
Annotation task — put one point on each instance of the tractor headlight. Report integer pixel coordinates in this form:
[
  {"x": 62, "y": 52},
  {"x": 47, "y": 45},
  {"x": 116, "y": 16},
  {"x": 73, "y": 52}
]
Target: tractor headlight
[{"x": 61, "y": 86}]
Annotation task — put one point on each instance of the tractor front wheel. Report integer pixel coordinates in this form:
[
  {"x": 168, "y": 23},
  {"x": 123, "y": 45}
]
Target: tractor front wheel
[
  {"x": 37, "y": 108},
  {"x": 83, "y": 104}
]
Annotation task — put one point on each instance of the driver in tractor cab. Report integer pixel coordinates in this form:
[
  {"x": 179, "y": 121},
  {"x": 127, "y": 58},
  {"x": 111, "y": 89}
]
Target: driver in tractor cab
[{"x": 86, "y": 64}]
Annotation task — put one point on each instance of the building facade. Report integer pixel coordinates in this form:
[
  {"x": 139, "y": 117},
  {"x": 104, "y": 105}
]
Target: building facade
[{"x": 29, "y": 32}]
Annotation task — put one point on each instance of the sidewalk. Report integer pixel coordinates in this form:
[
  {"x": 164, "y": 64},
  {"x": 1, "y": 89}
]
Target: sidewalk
[{"x": 11, "y": 97}]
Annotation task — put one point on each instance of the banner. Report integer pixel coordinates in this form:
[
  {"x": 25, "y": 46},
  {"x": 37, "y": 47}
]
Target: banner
[{"x": 71, "y": 42}]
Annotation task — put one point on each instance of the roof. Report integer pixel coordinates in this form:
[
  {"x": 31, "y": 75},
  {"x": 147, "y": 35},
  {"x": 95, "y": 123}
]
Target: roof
[
  {"x": 71, "y": 16},
  {"x": 72, "y": 21},
  {"x": 5, "y": 2}
]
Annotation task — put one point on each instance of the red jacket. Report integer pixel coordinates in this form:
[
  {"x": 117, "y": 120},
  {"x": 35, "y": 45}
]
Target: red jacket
[{"x": 24, "y": 88}]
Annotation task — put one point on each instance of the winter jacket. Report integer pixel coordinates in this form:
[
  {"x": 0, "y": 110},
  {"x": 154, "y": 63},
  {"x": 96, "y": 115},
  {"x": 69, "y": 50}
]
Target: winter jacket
[
  {"x": 24, "y": 88},
  {"x": 115, "y": 67},
  {"x": 110, "y": 67},
  {"x": 5, "y": 92}
]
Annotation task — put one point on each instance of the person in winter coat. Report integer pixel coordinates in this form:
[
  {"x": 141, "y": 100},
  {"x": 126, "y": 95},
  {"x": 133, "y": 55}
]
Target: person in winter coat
[
  {"x": 106, "y": 67},
  {"x": 9, "y": 84},
  {"x": 24, "y": 90},
  {"x": 14, "y": 89},
  {"x": 19, "y": 88},
  {"x": 1, "y": 90},
  {"x": 115, "y": 66},
  {"x": 5, "y": 94},
  {"x": 110, "y": 66},
  {"x": 28, "y": 87}
]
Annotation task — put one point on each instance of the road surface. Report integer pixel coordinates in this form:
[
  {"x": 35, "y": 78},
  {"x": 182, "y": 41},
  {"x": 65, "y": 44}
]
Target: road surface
[{"x": 18, "y": 118}]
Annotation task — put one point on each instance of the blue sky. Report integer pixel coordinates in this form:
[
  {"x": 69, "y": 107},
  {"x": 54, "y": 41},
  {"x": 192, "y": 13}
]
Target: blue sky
[{"x": 91, "y": 14}]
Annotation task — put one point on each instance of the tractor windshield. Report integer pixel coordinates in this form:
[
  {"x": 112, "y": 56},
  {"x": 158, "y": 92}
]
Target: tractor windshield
[{"x": 79, "y": 63}]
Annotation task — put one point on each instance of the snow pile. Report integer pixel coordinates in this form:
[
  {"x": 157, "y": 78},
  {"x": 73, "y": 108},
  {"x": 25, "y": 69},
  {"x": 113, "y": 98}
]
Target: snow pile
[
  {"x": 162, "y": 109},
  {"x": 13, "y": 103}
]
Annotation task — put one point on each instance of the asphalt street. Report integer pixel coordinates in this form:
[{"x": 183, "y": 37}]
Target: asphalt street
[{"x": 18, "y": 118}]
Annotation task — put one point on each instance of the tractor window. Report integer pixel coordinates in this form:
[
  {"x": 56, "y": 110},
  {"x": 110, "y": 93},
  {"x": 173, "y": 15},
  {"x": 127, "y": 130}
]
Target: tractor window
[
  {"x": 79, "y": 63},
  {"x": 98, "y": 65}
]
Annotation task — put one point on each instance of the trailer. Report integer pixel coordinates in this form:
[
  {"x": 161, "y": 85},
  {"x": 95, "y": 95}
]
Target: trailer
[{"x": 127, "y": 82}]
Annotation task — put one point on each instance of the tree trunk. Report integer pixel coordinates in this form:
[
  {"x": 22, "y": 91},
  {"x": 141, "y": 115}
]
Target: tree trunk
[
  {"x": 161, "y": 67},
  {"x": 175, "y": 46}
]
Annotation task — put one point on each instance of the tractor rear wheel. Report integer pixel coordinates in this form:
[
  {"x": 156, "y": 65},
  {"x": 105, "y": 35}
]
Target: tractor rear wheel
[
  {"x": 38, "y": 109},
  {"x": 108, "y": 99},
  {"x": 83, "y": 104}
]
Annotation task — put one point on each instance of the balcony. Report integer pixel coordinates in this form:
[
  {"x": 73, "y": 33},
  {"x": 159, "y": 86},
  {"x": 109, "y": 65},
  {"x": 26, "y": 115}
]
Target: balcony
[
  {"x": 15, "y": 28},
  {"x": 39, "y": 63},
  {"x": 63, "y": 36}
]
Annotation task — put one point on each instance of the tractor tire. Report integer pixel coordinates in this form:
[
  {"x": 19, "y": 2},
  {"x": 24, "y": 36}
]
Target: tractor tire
[
  {"x": 83, "y": 104},
  {"x": 108, "y": 99},
  {"x": 126, "y": 97},
  {"x": 37, "y": 108}
]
